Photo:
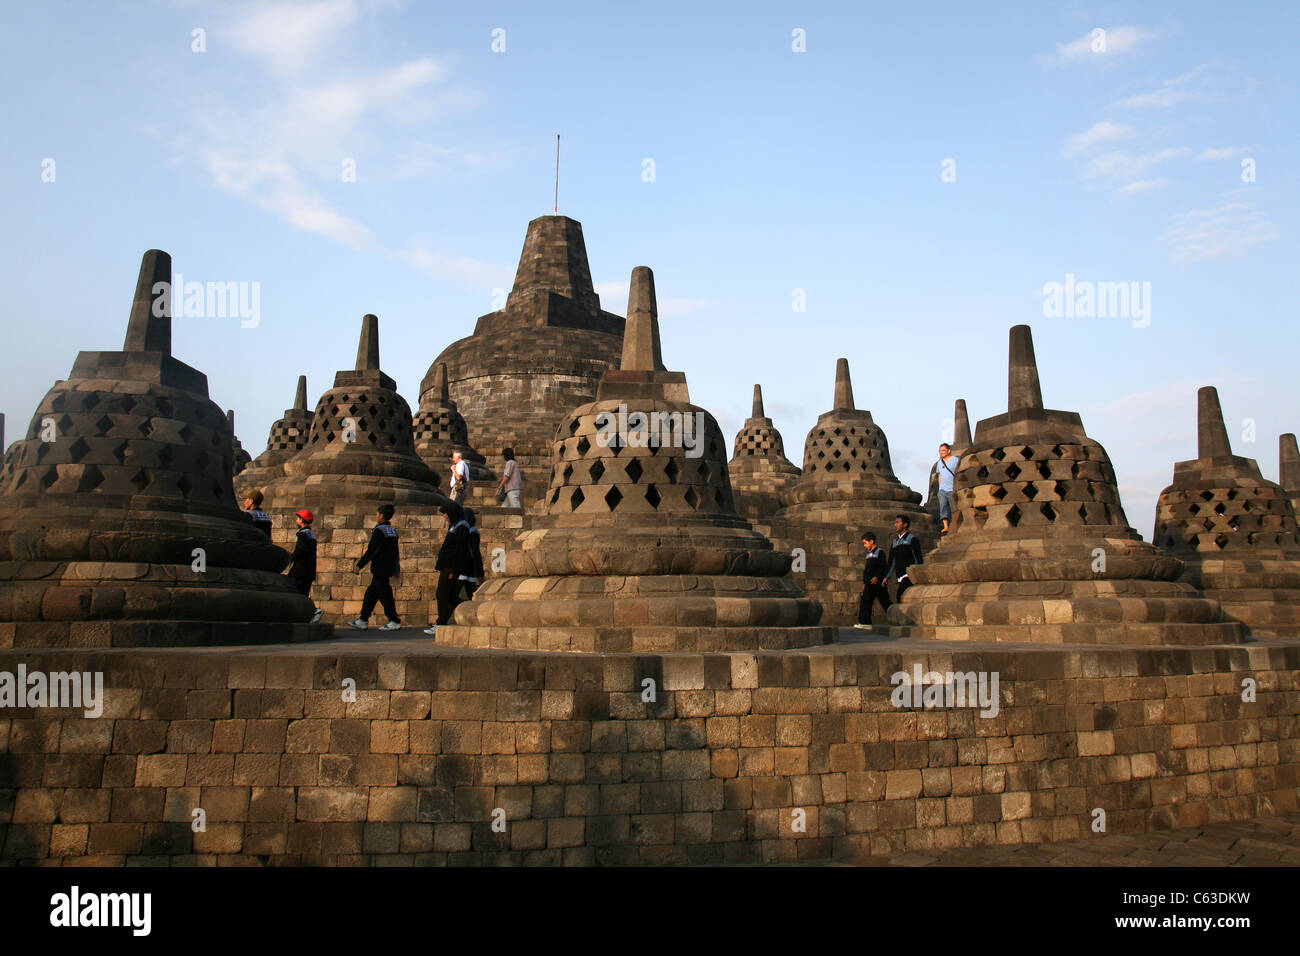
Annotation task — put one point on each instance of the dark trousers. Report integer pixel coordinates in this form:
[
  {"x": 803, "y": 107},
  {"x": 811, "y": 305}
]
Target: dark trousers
[
  {"x": 448, "y": 596},
  {"x": 470, "y": 587},
  {"x": 903, "y": 585},
  {"x": 381, "y": 591},
  {"x": 303, "y": 586},
  {"x": 871, "y": 593}
]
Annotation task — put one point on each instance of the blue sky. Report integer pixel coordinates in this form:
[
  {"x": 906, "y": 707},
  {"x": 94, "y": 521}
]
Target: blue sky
[{"x": 1112, "y": 158}]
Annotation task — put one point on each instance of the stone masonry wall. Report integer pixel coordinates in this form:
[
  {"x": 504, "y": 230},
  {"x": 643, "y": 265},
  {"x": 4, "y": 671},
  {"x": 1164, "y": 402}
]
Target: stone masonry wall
[{"x": 411, "y": 772}]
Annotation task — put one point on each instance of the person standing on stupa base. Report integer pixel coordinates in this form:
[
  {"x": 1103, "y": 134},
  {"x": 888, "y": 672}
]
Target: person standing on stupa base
[
  {"x": 385, "y": 563},
  {"x": 946, "y": 468},
  {"x": 303, "y": 570},
  {"x": 904, "y": 552},
  {"x": 875, "y": 584},
  {"x": 459, "y": 478},
  {"x": 261, "y": 520},
  {"x": 511, "y": 485},
  {"x": 455, "y": 560}
]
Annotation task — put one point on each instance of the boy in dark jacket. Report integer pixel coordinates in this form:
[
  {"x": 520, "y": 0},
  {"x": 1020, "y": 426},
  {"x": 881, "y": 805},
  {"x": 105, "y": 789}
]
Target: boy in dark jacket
[
  {"x": 382, "y": 556},
  {"x": 874, "y": 583},
  {"x": 303, "y": 569},
  {"x": 474, "y": 578},
  {"x": 454, "y": 560},
  {"x": 905, "y": 552},
  {"x": 253, "y": 507}
]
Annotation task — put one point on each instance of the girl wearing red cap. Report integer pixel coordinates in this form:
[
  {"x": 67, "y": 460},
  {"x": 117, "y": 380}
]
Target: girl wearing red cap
[{"x": 303, "y": 570}]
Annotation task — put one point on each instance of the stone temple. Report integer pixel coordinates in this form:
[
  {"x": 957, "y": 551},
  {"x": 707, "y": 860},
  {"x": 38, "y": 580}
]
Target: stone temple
[
  {"x": 440, "y": 430},
  {"x": 1234, "y": 529},
  {"x": 1289, "y": 468},
  {"x": 526, "y": 366},
  {"x": 1039, "y": 548},
  {"x": 118, "y": 524},
  {"x": 640, "y": 548}
]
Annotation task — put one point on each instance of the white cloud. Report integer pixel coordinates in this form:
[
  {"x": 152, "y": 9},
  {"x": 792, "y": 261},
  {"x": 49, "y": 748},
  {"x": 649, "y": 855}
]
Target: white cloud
[
  {"x": 460, "y": 268},
  {"x": 1103, "y": 132},
  {"x": 1188, "y": 86},
  {"x": 1097, "y": 46},
  {"x": 1119, "y": 166},
  {"x": 288, "y": 36},
  {"x": 1226, "y": 231},
  {"x": 1223, "y": 152},
  {"x": 1143, "y": 185}
]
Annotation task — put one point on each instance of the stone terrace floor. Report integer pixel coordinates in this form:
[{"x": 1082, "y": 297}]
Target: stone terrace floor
[{"x": 1264, "y": 841}]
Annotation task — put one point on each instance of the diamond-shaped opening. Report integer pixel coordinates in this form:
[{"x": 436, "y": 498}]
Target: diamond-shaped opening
[
  {"x": 186, "y": 433},
  {"x": 1207, "y": 495},
  {"x": 837, "y": 453},
  {"x": 574, "y": 424},
  {"x": 998, "y": 454},
  {"x": 78, "y": 449},
  {"x": 982, "y": 474},
  {"x": 583, "y": 445},
  {"x": 103, "y": 424},
  {"x": 703, "y": 471},
  {"x": 372, "y": 409},
  {"x": 633, "y": 470},
  {"x": 185, "y": 485},
  {"x": 1232, "y": 493},
  {"x": 1221, "y": 541},
  {"x": 91, "y": 478},
  {"x": 374, "y": 439},
  {"x": 1194, "y": 540},
  {"x": 203, "y": 461},
  {"x": 1245, "y": 506},
  {"x": 165, "y": 408},
  {"x": 1061, "y": 488},
  {"x": 671, "y": 470},
  {"x": 613, "y": 497},
  {"x": 1045, "y": 469},
  {"x": 1048, "y": 511},
  {"x": 1013, "y": 471},
  {"x": 1026, "y": 452},
  {"x": 597, "y": 469},
  {"x": 1219, "y": 508},
  {"x": 566, "y": 474},
  {"x": 128, "y": 403},
  {"x": 1208, "y": 524},
  {"x": 1031, "y": 492},
  {"x": 1057, "y": 451},
  {"x": 48, "y": 477},
  {"x": 999, "y": 492},
  {"x": 140, "y": 479},
  {"x": 576, "y": 499},
  {"x": 652, "y": 496},
  {"x": 1013, "y": 515},
  {"x": 89, "y": 401},
  {"x": 837, "y": 431},
  {"x": 1194, "y": 509},
  {"x": 692, "y": 498}
]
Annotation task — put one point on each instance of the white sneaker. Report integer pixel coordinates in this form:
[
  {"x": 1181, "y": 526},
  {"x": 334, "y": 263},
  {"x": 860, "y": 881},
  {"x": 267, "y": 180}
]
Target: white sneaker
[
  {"x": 359, "y": 624},
  {"x": 431, "y": 629},
  {"x": 315, "y": 618},
  {"x": 865, "y": 627},
  {"x": 391, "y": 626}
]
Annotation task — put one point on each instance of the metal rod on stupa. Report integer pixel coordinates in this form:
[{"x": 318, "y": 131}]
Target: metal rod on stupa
[
  {"x": 1211, "y": 435},
  {"x": 150, "y": 327},
  {"x": 1023, "y": 390}
]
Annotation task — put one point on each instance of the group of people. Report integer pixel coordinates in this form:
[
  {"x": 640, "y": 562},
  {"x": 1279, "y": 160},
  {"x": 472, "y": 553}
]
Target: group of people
[
  {"x": 509, "y": 488},
  {"x": 905, "y": 549},
  {"x": 302, "y": 568}
]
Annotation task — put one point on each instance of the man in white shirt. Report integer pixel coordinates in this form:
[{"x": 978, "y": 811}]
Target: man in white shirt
[{"x": 459, "y": 478}]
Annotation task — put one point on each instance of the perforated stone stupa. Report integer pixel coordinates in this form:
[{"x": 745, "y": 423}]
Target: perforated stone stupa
[
  {"x": 240, "y": 459},
  {"x": 527, "y": 365},
  {"x": 640, "y": 548},
  {"x": 118, "y": 525},
  {"x": 1039, "y": 548},
  {"x": 288, "y": 437},
  {"x": 1235, "y": 530},
  {"x": 440, "y": 429},
  {"x": 847, "y": 476},
  {"x": 761, "y": 476}
]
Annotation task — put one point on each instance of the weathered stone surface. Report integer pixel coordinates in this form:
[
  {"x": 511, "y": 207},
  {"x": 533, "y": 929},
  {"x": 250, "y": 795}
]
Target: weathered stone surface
[
  {"x": 240, "y": 459},
  {"x": 1288, "y": 470},
  {"x": 1039, "y": 548},
  {"x": 288, "y": 437},
  {"x": 1233, "y": 529},
  {"x": 118, "y": 523},
  {"x": 640, "y": 546},
  {"x": 440, "y": 429}
]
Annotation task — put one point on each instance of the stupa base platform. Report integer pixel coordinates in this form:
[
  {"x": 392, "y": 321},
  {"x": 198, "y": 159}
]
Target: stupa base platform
[
  {"x": 1135, "y": 635},
  {"x": 635, "y": 640},
  {"x": 156, "y": 634}
]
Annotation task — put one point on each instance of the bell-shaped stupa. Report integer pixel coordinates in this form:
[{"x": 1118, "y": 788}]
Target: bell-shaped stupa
[
  {"x": 639, "y": 548},
  {"x": 761, "y": 476},
  {"x": 118, "y": 524},
  {"x": 239, "y": 458},
  {"x": 288, "y": 437},
  {"x": 847, "y": 477},
  {"x": 1039, "y": 549},
  {"x": 440, "y": 429},
  {"x": 1234, "y": 529}
]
